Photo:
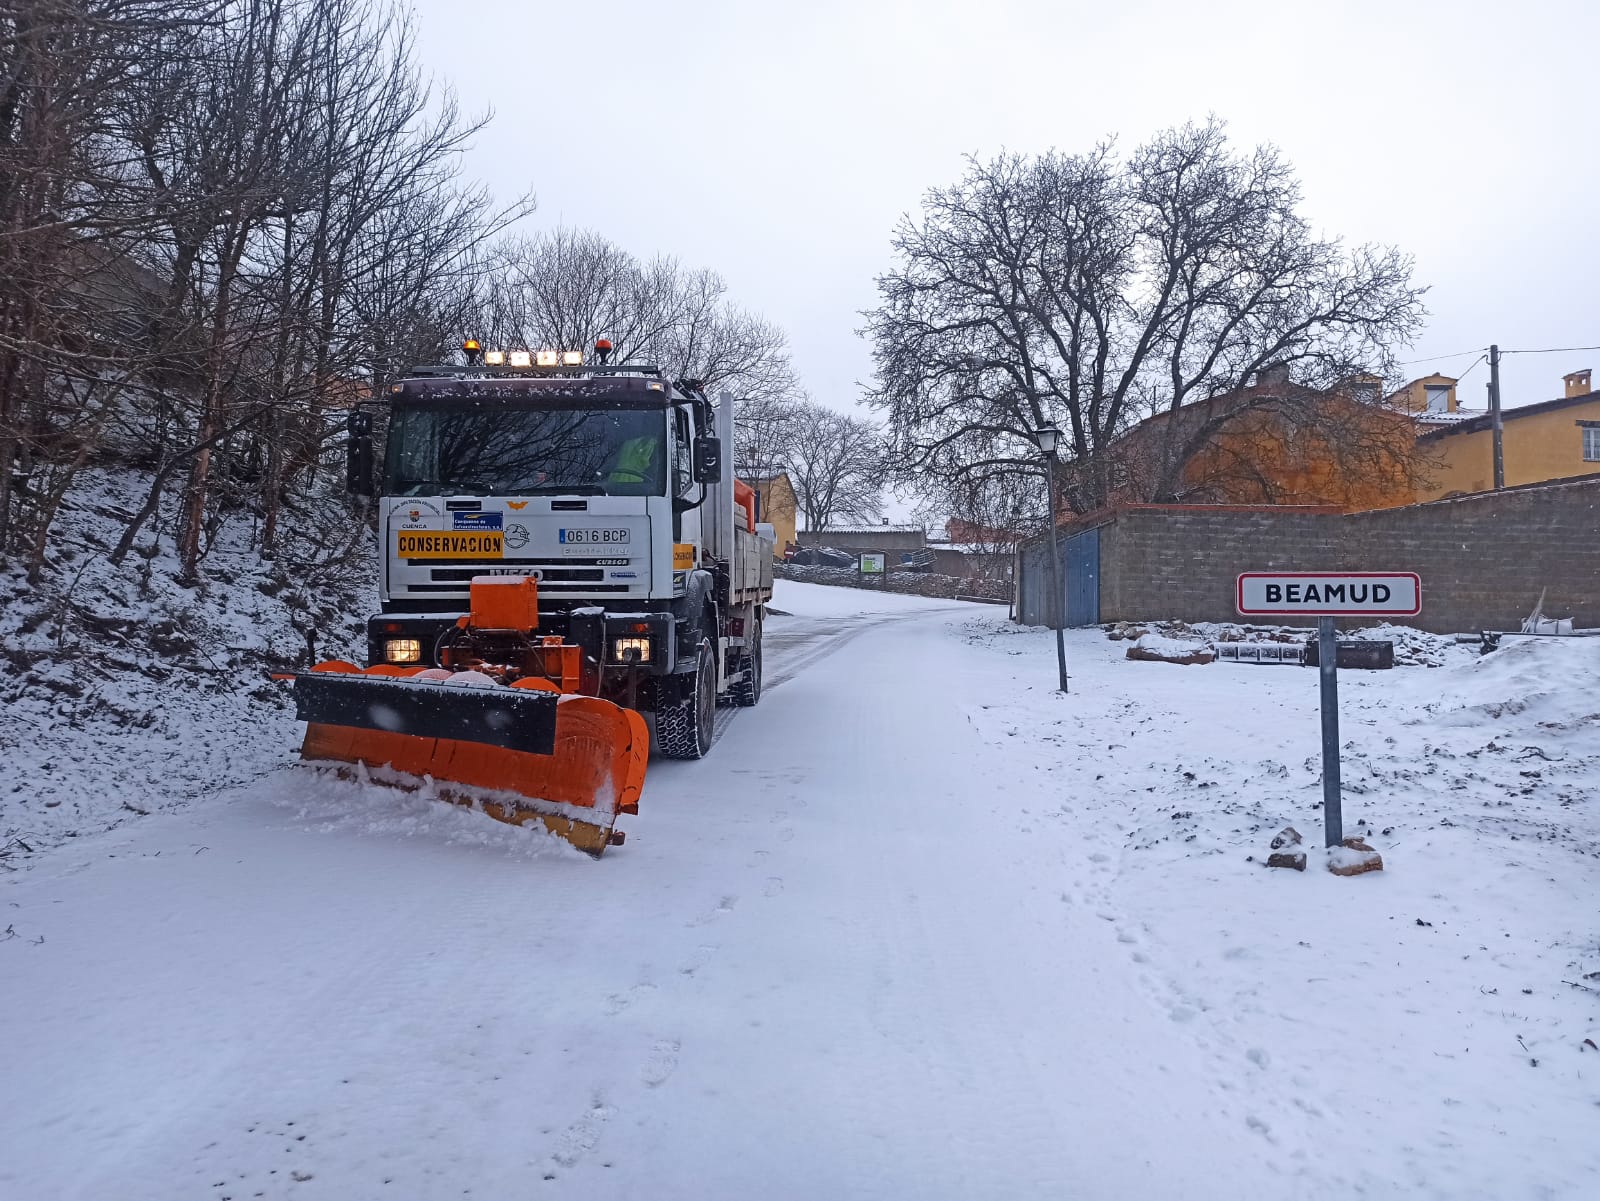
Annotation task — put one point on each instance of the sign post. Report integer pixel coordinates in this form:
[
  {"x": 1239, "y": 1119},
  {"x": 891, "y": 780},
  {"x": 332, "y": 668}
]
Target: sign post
[
  {"x": 1328, "y": 670},
  {"x": 1326, "y": 595},
  {"x": 874, "y": 564}
]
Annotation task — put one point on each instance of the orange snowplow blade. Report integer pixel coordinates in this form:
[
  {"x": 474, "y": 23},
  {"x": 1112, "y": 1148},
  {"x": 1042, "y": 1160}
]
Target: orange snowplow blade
[{"x": 522, "y": 753}]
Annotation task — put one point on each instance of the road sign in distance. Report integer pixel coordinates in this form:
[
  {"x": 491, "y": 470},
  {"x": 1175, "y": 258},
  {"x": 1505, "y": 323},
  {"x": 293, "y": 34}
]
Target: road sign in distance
[{"x": 1330, "y": 594}]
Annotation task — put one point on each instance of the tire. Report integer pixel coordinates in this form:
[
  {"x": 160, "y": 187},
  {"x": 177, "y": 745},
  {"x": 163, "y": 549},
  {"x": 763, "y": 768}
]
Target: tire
[
  {"x": 684, "y": 727},
  {"x": 748, "y": 690}
]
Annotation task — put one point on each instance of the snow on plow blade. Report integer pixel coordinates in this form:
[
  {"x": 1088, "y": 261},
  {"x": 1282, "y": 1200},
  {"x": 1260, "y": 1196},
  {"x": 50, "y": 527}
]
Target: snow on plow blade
[{"x": 522, "y": 753}]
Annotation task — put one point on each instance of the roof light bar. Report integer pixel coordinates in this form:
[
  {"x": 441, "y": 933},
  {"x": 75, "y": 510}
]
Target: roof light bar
[
  {"x": 548, "y": 358},
  {"x": 521, "y": 358},
  {"x": 572, "y": 358},
  {"x": 494, "y": 358}
]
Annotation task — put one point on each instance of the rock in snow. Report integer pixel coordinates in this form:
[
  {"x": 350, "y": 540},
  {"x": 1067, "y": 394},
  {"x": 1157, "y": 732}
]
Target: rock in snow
[
  {"x": 1287, "y": 851},
  {"x": 1353, "y": 857},
  {"x": 1157, "y": 648}
]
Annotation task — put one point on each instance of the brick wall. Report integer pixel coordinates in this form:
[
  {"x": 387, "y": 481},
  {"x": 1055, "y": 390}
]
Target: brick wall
[{"x": 1483, "y": 559}]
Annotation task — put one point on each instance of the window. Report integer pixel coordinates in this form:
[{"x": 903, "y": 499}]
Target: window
[
  {"x": 512, "y": 451},
  {"x": 1591, "y": 444},
  {"x": 682, "y": 454},
  {"x": 1438, "y": 398}
]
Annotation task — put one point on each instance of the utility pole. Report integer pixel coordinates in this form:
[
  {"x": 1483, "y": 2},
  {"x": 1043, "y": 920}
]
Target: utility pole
[{"x": 1494, "y": 418}]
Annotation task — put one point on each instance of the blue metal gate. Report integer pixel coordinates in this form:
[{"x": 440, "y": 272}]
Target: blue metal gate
[{"x": 1082, "y": 553}]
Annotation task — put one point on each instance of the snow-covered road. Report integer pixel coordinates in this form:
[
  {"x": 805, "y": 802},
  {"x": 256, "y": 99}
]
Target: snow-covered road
[{"x": 861, "y": 951}]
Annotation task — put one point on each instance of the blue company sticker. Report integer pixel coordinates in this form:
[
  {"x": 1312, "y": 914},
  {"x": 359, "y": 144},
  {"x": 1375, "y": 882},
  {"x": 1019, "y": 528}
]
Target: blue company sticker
[
  {"x": 623, "y": 575},
  {"x": 478, "y": 521}
]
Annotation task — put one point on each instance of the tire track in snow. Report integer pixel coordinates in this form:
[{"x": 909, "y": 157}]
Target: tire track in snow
[{"x": 798, "y": 648}]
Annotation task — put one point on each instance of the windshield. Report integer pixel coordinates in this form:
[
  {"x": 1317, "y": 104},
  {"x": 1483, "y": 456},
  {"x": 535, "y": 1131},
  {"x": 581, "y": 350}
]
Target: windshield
[{"x": 462, "y": 448}]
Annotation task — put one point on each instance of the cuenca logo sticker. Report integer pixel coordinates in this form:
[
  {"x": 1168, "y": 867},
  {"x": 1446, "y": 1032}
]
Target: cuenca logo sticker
[{"x": 415, "y": 515}]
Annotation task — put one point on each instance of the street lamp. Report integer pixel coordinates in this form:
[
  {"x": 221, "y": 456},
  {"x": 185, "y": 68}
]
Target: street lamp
[{"x": 1047, "y": 439}]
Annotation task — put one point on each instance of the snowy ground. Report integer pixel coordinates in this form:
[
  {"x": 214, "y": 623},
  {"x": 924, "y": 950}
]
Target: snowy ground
[
  {"x": 128, "y": 693},
  {"x": 920, "y": 927}
]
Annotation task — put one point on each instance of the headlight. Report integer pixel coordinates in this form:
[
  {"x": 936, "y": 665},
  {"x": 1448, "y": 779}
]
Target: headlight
[
  {"x": 547, "y": 358},
  {"x": 521, "y": 358},
  {"x": 630, "y": 650},
  {"x": 403, "y": 650},
  {"x": 494, "y": 358}
]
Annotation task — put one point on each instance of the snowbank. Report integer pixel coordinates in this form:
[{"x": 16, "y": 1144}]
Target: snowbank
[{"x": 129, "y": 693}]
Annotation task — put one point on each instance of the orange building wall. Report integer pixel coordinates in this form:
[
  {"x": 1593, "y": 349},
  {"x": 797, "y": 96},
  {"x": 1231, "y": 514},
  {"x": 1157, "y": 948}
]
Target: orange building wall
[{"x": 1260, "y": 459}]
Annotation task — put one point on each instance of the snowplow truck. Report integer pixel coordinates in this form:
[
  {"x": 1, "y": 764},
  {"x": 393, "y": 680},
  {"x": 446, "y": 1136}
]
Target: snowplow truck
[{"x": 566, "y": 571}]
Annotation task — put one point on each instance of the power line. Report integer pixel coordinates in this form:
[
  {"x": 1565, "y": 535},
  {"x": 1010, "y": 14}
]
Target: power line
[
  {"x": 1436, "y": 357},
  {"x": 1471, "y": 365},
  {"x": 1553, "y": 350}
]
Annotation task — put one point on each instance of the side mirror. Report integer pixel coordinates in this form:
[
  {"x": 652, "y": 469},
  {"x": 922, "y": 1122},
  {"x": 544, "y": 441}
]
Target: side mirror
[
  {"x": 708, "y": 459},
  {"x": 358, "y": 454}
]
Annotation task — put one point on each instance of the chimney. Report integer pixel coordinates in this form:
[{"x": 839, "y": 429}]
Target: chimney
[
  {"x": 1578, "y": 383},
  {"x": 1277, "y": 375}
]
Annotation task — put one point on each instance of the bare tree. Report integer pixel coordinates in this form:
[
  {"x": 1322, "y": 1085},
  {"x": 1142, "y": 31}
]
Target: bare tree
[
  {"x": 567, "y": 287},
  {"x": 333, "y": 235},
  {"x": 221, "y": 223},
  {"x": 69, "y": 219},
  {"x": 765, "y": 434},
  {"x": 835, "y": 462},
  {"x": 1087, "y": 292}
]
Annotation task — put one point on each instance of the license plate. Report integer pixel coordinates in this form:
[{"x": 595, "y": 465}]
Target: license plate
[
  {"x": 593, "y": 537},
  {"x": 450, "y": 544}
]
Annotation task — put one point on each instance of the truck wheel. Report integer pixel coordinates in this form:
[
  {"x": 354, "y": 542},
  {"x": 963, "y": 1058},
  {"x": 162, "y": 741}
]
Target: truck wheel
[
  {"x": 684, "y": 726},
  {"x": 748, "y": 690}
]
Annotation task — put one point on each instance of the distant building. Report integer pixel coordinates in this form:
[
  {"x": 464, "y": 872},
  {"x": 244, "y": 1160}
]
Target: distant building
[
  {"x": 1430, "y": 401},
  {"x": 967, "y": 548},
  {"x": 893, "y": 541},
  {"x": 775, "y": 504}
]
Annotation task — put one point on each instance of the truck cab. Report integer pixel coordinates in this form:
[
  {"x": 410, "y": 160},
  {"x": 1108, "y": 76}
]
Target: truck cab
[{"x": 604, "y": 485}]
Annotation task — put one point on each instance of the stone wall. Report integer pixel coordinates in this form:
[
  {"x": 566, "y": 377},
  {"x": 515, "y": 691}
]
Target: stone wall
[{"x": 1483, "y": 558}]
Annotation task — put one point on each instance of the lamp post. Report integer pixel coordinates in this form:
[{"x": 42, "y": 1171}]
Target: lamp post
[{"x": 1047, "y": 439}]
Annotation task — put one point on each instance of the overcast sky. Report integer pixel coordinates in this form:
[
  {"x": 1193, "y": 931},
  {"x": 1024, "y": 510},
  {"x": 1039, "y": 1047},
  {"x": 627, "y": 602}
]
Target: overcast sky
[{"x": 778, "y": 142}]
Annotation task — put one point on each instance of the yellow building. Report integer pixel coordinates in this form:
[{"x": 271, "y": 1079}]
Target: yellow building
[
  {"x": 775, "y": 504},
  {"x": 1554, "y": 440},
  {"x": 1429, "y": 399}
]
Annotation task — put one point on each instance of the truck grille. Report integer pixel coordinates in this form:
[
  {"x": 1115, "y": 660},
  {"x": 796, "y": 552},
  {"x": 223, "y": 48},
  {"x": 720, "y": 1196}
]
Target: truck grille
[
  {"x": 510, "y": 562},
  {"x": 460, "y": 588},
  {"x": 546, "y": 574}
]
